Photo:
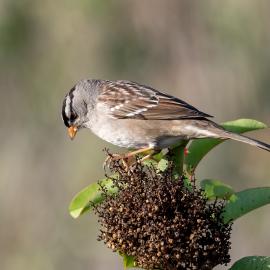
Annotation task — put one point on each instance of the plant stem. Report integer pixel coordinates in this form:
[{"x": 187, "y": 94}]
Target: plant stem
[{"x": 178, "y": 157}]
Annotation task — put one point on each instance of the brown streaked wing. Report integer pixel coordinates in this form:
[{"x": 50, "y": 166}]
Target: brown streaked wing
[{"x": 127, "y": 99}]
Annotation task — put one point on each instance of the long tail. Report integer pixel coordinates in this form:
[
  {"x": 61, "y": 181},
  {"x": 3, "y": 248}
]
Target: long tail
[
  {"x": 245, "y": 139},
  {"x": 195, "y": 129},
  {"x": 220, "y": 132}
]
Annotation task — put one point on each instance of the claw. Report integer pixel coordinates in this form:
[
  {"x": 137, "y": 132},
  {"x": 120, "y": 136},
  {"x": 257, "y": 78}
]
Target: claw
[
  {"x": 127, "y": 159},
  {"x": 112, "y": 157}
]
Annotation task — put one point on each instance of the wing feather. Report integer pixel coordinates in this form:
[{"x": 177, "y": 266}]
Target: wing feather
[{"x": 126, "y": 99}]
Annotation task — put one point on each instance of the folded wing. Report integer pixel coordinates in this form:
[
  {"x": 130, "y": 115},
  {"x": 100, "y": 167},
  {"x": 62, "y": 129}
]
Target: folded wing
[{"x": 126, "y": 99}]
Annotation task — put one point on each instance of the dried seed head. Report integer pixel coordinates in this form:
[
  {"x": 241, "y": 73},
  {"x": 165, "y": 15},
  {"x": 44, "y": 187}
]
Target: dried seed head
[{"x": 161, "y": 222}]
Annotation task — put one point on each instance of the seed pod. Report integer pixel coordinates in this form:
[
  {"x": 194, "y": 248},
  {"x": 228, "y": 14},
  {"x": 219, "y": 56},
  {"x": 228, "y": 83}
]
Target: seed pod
[{"x": 162, "y": 223}]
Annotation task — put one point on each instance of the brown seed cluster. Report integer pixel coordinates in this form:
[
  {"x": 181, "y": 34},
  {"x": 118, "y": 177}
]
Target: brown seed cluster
[{"x": 162, "y": 222}]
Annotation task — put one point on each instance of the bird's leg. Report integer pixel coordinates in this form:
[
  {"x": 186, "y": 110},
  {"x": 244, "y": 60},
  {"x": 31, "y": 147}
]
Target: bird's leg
[
  {"x": 139, "y": 151},
  {"x": 112, "y": 157},
  {"x": 126, "y": 158},
  {"x": 149, "y": 156}
]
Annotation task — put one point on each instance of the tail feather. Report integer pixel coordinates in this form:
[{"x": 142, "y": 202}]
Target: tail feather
[
  {"x": 245, "y": 139},
  {"x": 209, "y": 129}
]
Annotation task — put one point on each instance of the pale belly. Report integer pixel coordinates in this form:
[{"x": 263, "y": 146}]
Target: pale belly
[
  {"x": 135, "y": 133},
  {"x": 116, "y": 132}
]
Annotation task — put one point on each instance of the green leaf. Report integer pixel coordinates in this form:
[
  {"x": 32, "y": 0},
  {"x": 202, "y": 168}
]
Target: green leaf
[
  {"x": 243, "y": 125},
  {"x": 163, "y": 165},
  {"x": 216, "y": 189},
  {"x": 199, "y": 148},
  {"x": 157, "y": 157},
  {"x": 92, "y": 193},
  {"x": 128, "y": 261},
  {"x": 246, "y": 201},
  {"x": 154, "y": 160},
  {"x": 252, "y": 263}
]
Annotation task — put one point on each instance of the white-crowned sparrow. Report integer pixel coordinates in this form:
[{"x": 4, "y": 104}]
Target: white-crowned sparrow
[{"x": 132, "y": 115}]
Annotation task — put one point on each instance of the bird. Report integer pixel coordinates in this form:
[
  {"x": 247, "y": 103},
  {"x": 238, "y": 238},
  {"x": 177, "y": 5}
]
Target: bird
[{"x": 132, "y": 115}]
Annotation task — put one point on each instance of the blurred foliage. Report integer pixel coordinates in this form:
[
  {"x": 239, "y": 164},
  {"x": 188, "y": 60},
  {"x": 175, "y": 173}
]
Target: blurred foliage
[{"x": 16, "y": 30}]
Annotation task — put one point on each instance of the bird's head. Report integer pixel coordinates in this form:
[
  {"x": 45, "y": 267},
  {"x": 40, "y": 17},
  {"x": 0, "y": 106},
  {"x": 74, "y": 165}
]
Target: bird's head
[{"x": 76, "y": 106}]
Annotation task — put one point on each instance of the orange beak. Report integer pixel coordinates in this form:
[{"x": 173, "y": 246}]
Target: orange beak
[{"x": 72, "y": 132}]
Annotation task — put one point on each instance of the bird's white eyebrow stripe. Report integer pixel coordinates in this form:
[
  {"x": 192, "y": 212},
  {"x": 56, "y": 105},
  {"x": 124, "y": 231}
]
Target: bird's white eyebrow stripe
[{"x": 67, "y": 106}]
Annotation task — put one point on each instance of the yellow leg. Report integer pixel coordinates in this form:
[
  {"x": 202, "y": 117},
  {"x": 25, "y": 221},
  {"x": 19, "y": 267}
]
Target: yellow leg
[
  {"x": 125, "y": 157},
  {"x": 139, "y": 151}
]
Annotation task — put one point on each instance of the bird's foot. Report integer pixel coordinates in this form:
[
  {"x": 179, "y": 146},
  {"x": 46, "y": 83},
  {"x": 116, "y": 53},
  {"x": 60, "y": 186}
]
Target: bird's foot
[{"x": 127, "y": 159}]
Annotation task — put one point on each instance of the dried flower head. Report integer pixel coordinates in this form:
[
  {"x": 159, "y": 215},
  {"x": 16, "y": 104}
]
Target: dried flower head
[{"x": 161, "y": 221}]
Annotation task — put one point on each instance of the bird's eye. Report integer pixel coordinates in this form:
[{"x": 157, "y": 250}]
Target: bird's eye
[{"x": 73, "y": 116}]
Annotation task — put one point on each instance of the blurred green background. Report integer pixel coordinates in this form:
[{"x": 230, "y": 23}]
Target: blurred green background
[{"x": 215, "y": 55}]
